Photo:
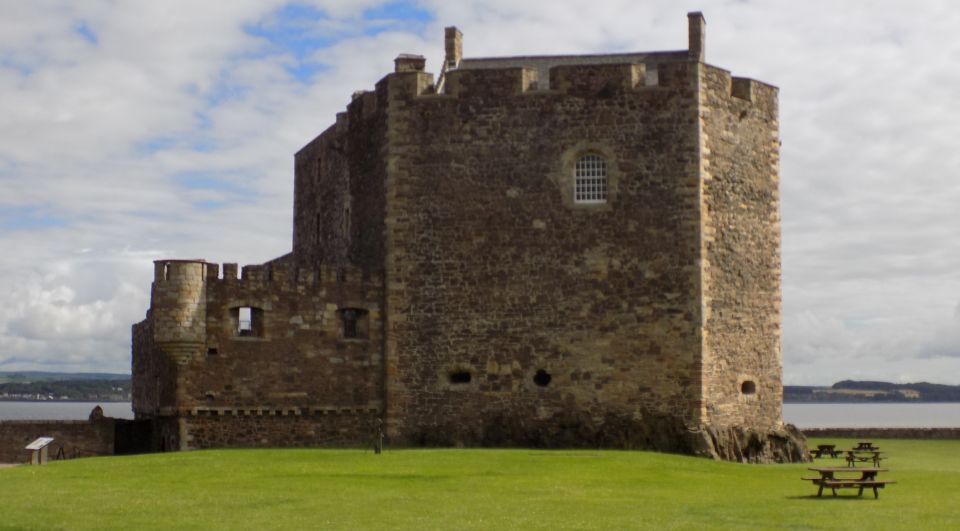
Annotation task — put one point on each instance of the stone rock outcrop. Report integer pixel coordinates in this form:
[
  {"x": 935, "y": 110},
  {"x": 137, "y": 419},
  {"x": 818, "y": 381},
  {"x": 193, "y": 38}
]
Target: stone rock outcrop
[{"x": 786, "y": 445}]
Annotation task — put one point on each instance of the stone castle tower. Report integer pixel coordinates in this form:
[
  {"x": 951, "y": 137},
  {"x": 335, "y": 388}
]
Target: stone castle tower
[{"x": 535, "y": 251}]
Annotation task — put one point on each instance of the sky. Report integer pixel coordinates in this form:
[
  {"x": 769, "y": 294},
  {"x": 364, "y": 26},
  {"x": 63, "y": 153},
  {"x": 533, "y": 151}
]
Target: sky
[{"x": 138, "y": 130}]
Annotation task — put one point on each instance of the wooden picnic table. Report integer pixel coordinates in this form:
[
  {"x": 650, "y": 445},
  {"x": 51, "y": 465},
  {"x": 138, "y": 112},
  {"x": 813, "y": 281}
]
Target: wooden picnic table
[
  {"x": 824, "y": 450},
  {"x": 835, "y": 478},
  {"x": 863, "y": 456}
]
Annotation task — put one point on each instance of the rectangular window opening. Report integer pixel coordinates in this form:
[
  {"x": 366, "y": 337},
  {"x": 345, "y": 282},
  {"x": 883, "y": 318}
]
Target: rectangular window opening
[
  {"x": 355, "y": 323},
  {"x": 245, "y": 321},
  {"x": 249, "y": 321}
]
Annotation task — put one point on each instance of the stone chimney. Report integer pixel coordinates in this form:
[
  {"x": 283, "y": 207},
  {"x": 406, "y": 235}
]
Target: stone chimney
[
  {"x": 453, "y": 44},
  {"x": 697, "y": 34},
  {"x": 406, "y": 62}
]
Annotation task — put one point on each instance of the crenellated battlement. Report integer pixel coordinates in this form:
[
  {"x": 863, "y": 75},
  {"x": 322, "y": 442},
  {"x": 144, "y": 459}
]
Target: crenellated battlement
[
  {"x": 585, "y": 76},
  {"x": 593, "y": 80},
  {"x": 492, "y": 82},
  {"x": 493, "y": 79},
  {"x": 178, "y": 270},
  {"x": 602, "y": 79},
  {"x": 762, "y": 95},
  {"x": 742, "y": 90},
  {"x": 582, "y": 80},
  {"x": 279, "y": 274}
]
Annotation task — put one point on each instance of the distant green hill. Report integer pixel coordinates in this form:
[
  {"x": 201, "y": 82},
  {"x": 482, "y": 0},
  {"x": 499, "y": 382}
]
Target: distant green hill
[
  {"x": 870, "y": 391},
  {"x": 35, "y": 385},
  {"x": 37, "y": 376}
]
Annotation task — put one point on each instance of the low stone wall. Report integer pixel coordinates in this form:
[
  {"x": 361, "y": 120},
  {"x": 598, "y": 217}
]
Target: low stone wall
[
  {"x": 78, "y": 438},
  {"x": 884, "y": 433},
  {"x": 344, "y": 430}
]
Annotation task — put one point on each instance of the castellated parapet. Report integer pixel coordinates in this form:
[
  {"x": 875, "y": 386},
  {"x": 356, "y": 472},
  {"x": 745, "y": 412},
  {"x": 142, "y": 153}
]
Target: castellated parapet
[
  {"x": 259, "y": 358},
  {"x": 525, "y": 251}
]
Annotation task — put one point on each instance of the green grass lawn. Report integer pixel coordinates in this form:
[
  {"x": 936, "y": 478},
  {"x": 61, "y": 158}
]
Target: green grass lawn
[{"x": 471, "y": 489}]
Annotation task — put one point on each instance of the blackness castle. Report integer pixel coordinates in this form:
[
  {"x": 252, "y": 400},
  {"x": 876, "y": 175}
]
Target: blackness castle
[{"x": 578, "y": 251}]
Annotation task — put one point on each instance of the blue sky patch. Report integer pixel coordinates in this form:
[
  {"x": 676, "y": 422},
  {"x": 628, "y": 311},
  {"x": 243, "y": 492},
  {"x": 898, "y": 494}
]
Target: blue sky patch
[
  {"x": 226, "y": 89},
  {"x": 304, "y": 71},
  {"x": 153, "y": 145},
  {"x": 401, "y": 16},
  {"x": 84, "y": 31},
  {"x": 29, "y": 217},
  {"x": 20, "y": 67},
  {"x": 200, "y": 180},
  {"x": 300, "y": 31},
  {"x": 293, "y": 28},
  {"x": 209, "y": 204},
  {"x": 399, "y": 12},
  {"x": 204, "y": 146},
  {"x": 297, "y": 30},
  {"x": 224, "y": 191},
  {"x": 203, "y": 120},
  {"x": 164, "y": 143}
]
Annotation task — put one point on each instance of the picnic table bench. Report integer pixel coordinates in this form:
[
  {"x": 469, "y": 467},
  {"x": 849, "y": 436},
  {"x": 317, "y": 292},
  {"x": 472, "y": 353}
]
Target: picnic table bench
[
  {"x": 824, "y": 450},
  {"x": 867, "y": 479},
  {"x": 863, "y": 456}
]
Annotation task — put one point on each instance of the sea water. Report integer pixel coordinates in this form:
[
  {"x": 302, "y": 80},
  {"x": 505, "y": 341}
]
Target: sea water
[
  {"x": 897, "y": 415},
  {"x": 56, "y": 410},
  {"x": 840, "y": 415}
]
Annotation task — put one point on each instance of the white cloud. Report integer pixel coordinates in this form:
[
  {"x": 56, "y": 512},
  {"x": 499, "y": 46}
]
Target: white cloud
[{"x": 105, "y": 145}]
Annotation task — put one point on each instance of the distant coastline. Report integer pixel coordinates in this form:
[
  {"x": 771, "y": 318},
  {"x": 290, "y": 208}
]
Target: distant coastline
[
  {"x": 32, "y": 386},
  {"x": 852, "y": 391},
  {"x": 35, "y": 386}
]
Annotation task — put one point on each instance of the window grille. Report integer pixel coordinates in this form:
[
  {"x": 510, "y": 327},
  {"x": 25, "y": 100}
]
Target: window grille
[{"x": 590, "y": 182}]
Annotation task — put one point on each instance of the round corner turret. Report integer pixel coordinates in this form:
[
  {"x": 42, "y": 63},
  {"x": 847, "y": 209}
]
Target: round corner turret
[
  {"x": 179, "y": 300},
  {"x": 168, "y": 269}
]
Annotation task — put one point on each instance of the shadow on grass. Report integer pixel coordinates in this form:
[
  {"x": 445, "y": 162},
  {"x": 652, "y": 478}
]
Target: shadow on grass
[
  {"x": 378, "y": 477},
  {"x": 824, "y": 498},
  {"x": 558, "y": 454}
]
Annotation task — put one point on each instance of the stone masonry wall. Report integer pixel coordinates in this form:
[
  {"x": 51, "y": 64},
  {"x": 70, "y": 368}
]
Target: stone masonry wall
[
  {"x": 332, "y": 428},
  {"x": 495, "y": 273},
  {"x": 321, "y": 235},
  {"x": 339, "y": 198},
  {"x": 292, "y": 358},
  {"x": 741, "y": 220},
  {"x": 143, "y": 370},
  {"x": 78, "y": 438},
  {"x": 884, "y": 433},
  {"x": 153, "y": 373},
  {"x": 298, "y": 356}
]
